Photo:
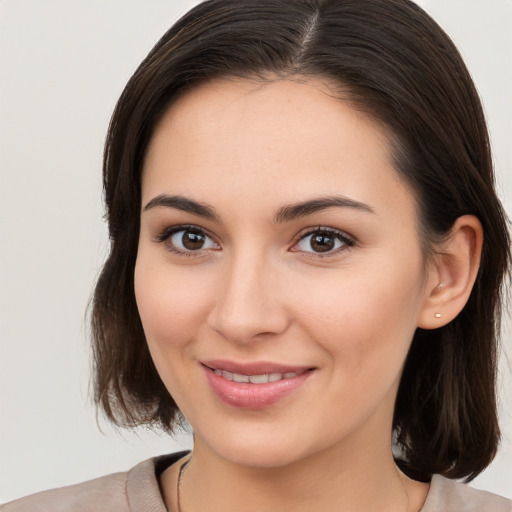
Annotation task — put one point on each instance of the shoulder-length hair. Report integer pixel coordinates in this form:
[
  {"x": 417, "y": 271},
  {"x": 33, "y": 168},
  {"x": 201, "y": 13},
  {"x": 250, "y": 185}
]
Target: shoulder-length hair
[{"x": 389, "y": 59}]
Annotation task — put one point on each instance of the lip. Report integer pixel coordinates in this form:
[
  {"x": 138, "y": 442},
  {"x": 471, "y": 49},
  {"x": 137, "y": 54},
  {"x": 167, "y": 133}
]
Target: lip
[
  {"x": 254, "y": 368},
  {"x": 246, "y": 395}
]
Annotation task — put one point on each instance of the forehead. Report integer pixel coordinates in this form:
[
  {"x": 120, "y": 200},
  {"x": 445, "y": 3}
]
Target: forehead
[
  {"x": 309, "y": 111},
  {"x": 282, "y": 138}
]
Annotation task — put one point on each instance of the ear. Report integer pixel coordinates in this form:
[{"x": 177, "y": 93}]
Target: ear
[{"x": 452, "y": 274}]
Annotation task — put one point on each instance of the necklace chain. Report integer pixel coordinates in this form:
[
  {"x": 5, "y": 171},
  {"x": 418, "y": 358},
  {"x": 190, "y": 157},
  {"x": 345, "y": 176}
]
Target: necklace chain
[
  {"x": 185, "y": 464},
  {"x": 178, "y": 485}
]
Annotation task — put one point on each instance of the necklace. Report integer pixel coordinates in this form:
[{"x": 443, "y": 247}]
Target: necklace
[
  {"x": 178, "y": 484},
  {"x": 407, "y": 503},
  {"x": 185, "y": 464}
]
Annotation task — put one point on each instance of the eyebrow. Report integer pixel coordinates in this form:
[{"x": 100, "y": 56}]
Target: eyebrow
[
  {"x": 184, "y": 204},
  {"x": 284, "y": 214},
  {"x": 294, "y": 211}
]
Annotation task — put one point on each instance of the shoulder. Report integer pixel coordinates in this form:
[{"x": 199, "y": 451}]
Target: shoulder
[
  {"x": 109, "y": 492},
  {"x": 447, "y": 495},
  {"x": 136, "y": 490}
]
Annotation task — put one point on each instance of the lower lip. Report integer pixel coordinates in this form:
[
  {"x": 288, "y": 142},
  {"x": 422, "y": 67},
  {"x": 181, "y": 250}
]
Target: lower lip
[{"x": 253, "y": 396}]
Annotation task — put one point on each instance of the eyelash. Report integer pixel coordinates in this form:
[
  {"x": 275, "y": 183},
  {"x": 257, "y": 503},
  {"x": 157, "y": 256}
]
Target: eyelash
[
  {"x": 167, "y": 234},
  {"x": 346, "y": 240}
]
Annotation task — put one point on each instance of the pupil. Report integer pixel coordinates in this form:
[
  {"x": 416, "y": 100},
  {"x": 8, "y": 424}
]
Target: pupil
[
  {"x": 192, "y": 241},
  {"x": 322, "y": 243}
]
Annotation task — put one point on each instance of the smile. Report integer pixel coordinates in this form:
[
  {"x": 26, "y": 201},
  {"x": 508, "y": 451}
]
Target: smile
[
  {"x": 254, "y": 386},
  {"x": 256, "y": 379}
]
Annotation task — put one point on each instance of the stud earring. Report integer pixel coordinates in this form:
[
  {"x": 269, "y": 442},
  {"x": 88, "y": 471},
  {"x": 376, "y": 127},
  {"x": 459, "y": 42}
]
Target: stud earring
[{"x": 438, "y": 315}]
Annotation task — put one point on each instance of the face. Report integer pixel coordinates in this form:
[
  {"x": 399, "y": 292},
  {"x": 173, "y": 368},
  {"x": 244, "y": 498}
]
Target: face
[{"x": 279, "y": 275}]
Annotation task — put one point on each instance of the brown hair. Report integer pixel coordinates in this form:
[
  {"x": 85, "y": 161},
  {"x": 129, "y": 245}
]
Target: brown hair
[{"x": 391, "y": 60}]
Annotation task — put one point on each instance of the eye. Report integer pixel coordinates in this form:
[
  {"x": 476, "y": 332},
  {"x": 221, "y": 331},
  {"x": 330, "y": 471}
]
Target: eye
[
  {"x": 323, "y": 241},
  {"x": 187, "y": 239}
]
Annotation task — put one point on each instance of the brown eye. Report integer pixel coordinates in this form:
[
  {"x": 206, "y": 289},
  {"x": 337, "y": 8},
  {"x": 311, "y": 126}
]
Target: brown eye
[
  {"x": 189, "y": 240},
  {"x": 322, "y": 242},
  {"x": 192, "y": 241}
]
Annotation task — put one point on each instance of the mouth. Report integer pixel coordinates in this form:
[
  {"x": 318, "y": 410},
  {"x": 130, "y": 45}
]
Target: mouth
[
  {"x": 261, "y": 378},
  {"x": 254, "y": 386}
]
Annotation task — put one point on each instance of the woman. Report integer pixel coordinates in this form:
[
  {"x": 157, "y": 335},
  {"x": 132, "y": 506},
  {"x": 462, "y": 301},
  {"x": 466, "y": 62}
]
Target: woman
[{"x": 306, "y": 262}]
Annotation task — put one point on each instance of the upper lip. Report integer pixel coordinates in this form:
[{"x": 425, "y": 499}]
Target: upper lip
[{"x": 254, "y": 368}]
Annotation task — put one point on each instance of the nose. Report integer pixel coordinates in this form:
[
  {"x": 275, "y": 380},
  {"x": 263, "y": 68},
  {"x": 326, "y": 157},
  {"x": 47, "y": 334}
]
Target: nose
[{"x": 248, "y": 302}]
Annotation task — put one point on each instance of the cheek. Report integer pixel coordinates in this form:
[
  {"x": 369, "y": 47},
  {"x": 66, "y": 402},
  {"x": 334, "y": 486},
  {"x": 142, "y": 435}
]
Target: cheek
[
  {"x": 366, "y": 318},
  {"x": 171, "y": 307},
  {"x": 171, "y": 303}
]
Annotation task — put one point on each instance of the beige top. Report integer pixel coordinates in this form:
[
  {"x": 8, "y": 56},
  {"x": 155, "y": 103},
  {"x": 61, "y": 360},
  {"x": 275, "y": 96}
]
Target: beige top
[{"x": 137, "y": 491}]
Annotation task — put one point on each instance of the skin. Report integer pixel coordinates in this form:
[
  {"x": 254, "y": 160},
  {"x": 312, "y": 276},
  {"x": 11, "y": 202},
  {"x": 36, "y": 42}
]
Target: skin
[{"x": 258, "y": 291}]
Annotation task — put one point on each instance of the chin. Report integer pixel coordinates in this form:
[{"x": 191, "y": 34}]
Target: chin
[
  {"x": 264, "y": 457},
  {"x": 257, "y": 448}
]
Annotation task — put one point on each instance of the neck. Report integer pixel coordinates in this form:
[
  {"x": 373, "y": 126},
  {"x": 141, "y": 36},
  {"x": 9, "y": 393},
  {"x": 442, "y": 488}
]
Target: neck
[{"x": 325, "y": 481}]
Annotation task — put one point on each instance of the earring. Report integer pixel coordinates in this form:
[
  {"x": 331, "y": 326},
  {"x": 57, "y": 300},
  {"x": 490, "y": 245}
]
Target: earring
[{"x": 438, "y": 315}]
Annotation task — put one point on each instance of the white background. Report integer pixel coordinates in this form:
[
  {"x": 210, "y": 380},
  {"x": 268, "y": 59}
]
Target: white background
[{"x": 63, "y": 64}]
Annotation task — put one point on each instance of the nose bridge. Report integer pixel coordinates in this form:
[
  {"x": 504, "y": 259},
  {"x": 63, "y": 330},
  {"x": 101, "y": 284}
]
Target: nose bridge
[{"x": 248, "y": 302}]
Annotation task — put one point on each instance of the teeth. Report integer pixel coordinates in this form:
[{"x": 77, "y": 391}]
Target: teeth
[
  {"x": 255, "y": 379},
  {"x": 237, "y": 377},
  {"x": 258, "y": 379}
]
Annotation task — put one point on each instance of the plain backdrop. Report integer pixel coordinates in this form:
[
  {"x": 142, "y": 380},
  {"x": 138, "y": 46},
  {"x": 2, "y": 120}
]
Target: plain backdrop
[{"x": 63, "y": 64}]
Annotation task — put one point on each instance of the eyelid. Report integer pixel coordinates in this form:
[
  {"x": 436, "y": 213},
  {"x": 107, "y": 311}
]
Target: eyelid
[
  {"x": 348, "y": 240},
  {"x": 165, "y": 234},
  {"x": 175, "y": 228}
]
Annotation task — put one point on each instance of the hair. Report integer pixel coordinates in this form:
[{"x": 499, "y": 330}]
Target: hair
[{"x": 389, "y": 59}]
